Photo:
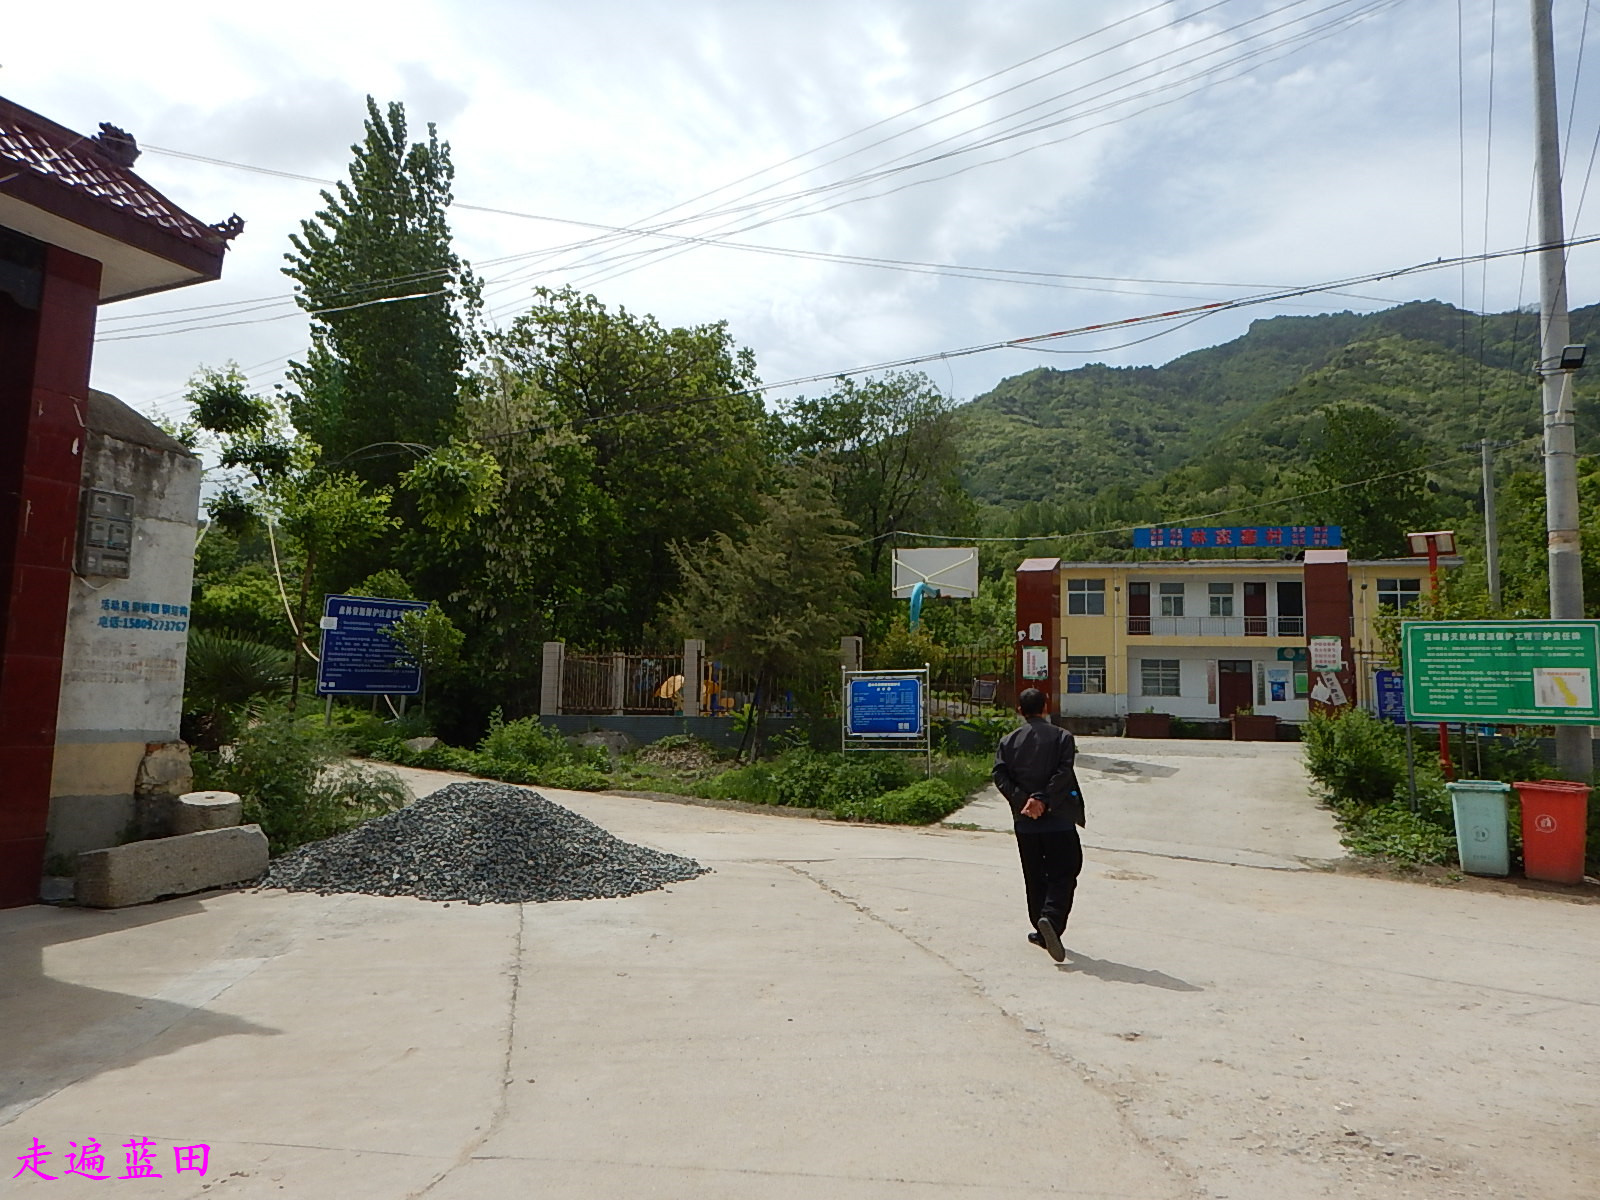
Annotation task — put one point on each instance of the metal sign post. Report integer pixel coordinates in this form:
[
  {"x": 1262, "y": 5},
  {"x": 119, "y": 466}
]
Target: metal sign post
[{"x": 886, "y": 710}]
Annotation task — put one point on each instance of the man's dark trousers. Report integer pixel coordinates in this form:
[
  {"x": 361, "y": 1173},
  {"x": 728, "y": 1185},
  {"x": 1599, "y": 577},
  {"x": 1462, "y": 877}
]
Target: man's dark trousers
[{"x": 1051, "y": 863}]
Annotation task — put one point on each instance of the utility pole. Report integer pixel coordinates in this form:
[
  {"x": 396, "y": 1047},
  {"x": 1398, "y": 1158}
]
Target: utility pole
[
  {"x": 1574, "y": 743},
  {"x": 1491, "y": 525},
  {"x": 1491, "y": 528}
]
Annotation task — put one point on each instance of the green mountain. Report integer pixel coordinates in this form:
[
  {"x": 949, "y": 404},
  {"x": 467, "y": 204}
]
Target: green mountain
[{"x": 1064, "y": 449}]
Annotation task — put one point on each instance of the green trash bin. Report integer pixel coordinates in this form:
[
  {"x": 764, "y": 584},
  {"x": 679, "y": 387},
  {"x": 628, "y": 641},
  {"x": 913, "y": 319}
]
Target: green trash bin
[{"x": 1480, "y": 810}]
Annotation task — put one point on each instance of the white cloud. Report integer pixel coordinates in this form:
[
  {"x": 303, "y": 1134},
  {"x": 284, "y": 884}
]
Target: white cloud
[{"x": 1343, "y": 157}]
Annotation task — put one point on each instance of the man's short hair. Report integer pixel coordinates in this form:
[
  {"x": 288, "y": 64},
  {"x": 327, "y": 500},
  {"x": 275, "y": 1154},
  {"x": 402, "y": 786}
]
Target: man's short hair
[{"x": 1031, "y": 702}]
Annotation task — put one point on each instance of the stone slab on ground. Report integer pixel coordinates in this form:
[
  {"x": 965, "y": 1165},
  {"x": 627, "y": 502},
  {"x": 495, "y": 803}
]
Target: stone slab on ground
[{"x": 171, "y": 866}]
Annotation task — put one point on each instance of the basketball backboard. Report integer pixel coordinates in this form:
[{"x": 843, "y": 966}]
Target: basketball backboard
[{"x": 953, "y": 570}]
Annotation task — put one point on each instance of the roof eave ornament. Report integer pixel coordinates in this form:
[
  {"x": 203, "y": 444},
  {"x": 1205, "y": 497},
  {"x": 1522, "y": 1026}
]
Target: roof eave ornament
[
  {"x": 229, "y": 229},
  {"x": 116, "y": 145}
]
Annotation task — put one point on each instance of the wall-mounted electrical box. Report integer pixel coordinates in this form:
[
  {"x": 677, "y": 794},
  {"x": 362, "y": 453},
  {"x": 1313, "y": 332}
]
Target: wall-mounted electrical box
[{"x": 105, "y": 539}]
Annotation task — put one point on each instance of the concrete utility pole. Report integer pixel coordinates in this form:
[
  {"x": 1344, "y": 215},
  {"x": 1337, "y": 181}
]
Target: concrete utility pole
[
  {"x": 1491, "y": 526},
  {"x": 1574, "y": 752}
]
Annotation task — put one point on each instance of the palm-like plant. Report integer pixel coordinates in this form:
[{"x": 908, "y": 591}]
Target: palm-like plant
[{"x": 226, "y": 681}]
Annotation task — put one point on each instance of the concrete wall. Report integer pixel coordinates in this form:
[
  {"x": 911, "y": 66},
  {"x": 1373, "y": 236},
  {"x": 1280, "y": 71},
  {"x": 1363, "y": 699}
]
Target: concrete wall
[{"x": 122, "y": 675}]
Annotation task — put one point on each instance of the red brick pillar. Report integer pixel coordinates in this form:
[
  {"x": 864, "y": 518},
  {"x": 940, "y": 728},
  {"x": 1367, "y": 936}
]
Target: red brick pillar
[
  {"x": 44, "y": 381},
  {"x": 1038, "y": 625},
  {"x": 1328, "y": 614}
]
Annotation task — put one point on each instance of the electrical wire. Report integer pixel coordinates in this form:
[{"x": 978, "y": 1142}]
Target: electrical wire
[
  {"x": 1038, "y": 126},
  {"x": 241, "y": 307},
  {"x": 1030, "y": 342}
]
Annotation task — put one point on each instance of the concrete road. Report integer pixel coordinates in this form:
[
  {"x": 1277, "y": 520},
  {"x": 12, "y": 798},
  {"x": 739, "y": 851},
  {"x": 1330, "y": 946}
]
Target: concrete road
[{"x": 835, "y": 1011}]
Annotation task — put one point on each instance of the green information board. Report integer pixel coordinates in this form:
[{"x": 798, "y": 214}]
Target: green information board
[{"x": 1527, "y": 672}]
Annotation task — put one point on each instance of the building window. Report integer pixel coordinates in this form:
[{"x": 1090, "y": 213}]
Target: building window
[
  {"x": 1172, "y": 599},
  {"x": 1086, "y": 673},
  {"x": 1158, "y": 676},
  {"x": 1221, "y": 599},
  {"x": 1086, "y": 597},
  {"x": 1399, "y": 594}
]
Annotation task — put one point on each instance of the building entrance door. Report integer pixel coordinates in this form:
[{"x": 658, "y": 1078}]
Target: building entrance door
[{"x": 1235, "y": 685}]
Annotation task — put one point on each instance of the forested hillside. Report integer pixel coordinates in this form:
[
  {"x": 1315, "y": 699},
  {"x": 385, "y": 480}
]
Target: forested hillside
[{"x": 1245, "y": 412}]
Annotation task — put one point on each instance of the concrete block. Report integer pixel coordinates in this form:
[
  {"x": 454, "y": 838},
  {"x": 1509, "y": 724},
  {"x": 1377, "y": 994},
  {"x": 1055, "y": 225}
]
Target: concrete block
[
  {"x": 171, "y": 866},
  {"x": 194, "y": 811}
]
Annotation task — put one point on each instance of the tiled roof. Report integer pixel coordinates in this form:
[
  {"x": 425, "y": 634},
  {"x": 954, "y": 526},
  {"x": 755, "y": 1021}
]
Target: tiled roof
[{"x": 90, "y": 166}]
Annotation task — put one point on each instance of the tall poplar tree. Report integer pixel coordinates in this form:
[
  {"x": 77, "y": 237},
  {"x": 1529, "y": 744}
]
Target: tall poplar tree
[{"x": 392, "y": 306}]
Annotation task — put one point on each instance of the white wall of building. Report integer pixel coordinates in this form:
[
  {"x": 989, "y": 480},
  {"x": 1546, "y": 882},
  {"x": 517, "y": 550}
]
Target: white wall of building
[{"x": 122, "y": 674}]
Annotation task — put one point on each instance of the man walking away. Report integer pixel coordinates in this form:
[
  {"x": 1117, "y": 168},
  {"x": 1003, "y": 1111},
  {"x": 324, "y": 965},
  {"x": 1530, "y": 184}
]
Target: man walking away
[{"x": 1033, "y": 770}]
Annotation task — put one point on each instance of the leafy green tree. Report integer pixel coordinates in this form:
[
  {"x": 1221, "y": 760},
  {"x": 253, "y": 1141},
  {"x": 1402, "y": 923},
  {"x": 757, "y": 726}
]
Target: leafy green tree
[
  {"x": 326, "y": 515},
  {"x": 431, "y": 638},
  {"x": 775, "y": 599},
  {"x": 391, "y": 304},
  {"x": 658, "y": 435},
  {"x": 1373, "y": 468},
  {"x": 893, "y": 444}
]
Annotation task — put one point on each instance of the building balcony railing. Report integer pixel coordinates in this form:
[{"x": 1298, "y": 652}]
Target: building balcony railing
[{"x": 1203, "y": 627}]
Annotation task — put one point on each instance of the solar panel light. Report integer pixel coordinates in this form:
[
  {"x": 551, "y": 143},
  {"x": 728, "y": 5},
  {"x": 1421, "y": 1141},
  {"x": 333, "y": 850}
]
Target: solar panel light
[
  {"x": 1440, "y": 541},
  {"x": 1572, "y": 357}
]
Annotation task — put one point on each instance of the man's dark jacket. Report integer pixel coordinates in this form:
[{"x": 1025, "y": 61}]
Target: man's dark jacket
[{"x": 1036, "y": 760}]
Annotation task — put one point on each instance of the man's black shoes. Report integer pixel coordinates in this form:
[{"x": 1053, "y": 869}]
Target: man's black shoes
[
  {"x": 1036, "y": 940},
  {"x": 1050, "y": 940}
]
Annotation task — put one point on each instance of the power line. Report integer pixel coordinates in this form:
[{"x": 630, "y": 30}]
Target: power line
[{"x": 890, "y": 169}]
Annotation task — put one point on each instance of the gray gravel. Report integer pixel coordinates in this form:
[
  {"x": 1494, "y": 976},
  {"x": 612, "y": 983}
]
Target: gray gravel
[{"x": 482, "y": 843}]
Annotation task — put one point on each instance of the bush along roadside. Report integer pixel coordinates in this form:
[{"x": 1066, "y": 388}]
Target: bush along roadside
[
  {"x": 1359, "y": 764},
  {"x": 882, "y": 787},
  {"x": 520, "y": 751},
  {"x": 295, "y": 782},
  {"x": 886, "y": 787}
]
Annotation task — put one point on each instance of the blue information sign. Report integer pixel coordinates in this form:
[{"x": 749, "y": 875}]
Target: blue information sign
[
  {"x": 1392, "y": 696},
  {"x": 1232, "y": 537},
  {"x": 886, "y": 706},
  {"x": 359, "y": 658}
]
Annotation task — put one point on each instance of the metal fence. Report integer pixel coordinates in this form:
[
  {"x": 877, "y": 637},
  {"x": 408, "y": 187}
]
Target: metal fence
[
  {"x": 634, "y": 682},
  {"x": 964, "y": 681},
  {"x": 725, "y": 691}
]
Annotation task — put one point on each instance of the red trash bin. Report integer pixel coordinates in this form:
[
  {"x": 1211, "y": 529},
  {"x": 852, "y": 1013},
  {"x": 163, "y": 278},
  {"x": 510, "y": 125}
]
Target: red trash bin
[{"x": 1555, "y": 817}]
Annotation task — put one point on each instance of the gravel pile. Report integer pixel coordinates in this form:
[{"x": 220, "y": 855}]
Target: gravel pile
[{"x": 484, "y": 843}]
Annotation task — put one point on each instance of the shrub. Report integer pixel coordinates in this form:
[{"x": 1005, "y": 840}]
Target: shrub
[
  {"x": 226, "y": 682},
  {"x": 1357, "y": 758},
  {"x": 988, "y": 728},
  {"x": 294, "y": 785},
  {"x": 919, "y": 803},
  {"x": 752, "y": 784},
  {"x": 1389, "y": 831},
  {"x": 523, "y": 741},
  {"x": 840, "y": 783}
]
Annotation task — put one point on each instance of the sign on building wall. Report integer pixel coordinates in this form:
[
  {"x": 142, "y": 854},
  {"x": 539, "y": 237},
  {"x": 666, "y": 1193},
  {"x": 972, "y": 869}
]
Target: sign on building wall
[
  {"x": 1197, "y": 537},
  {"x": 1532, "y": 672},
  {"x": 1327, "y": 653},
  {"x": 1036, "y": 662},
  {"x": 359, "y": 658}
]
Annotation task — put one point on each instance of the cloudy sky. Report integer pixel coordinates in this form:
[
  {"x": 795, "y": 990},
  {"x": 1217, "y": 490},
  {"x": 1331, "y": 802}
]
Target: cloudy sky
[{"x": 899, "y": 178}]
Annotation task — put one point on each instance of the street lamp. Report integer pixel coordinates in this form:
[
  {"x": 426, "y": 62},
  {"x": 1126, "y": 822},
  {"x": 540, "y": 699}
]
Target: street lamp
[{"x": 1433, "y": 543}]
